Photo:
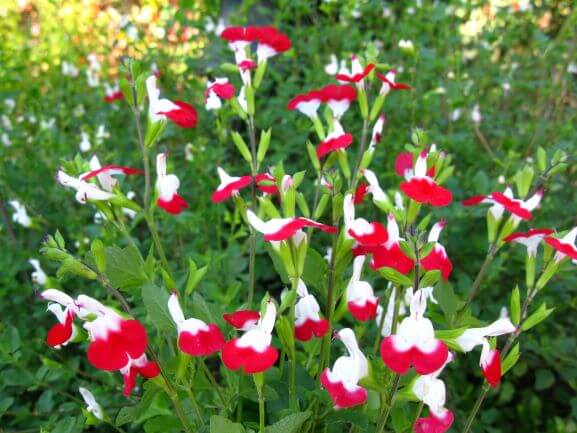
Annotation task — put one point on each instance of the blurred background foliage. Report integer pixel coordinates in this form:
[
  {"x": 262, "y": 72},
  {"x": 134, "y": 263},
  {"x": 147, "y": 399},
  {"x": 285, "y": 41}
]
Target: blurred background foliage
[{"x": 492, "y": 82}]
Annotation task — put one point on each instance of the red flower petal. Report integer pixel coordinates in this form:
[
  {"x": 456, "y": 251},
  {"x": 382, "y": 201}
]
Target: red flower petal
[
  {"x": 112, "y": 170},
  {"x": 427, "y": 363},
  {"x": 438, "y": 260},
  {"x": 313, "y": 95},
  {"x": 434, "y": 424},
  {"x": 185, "y": 116},
  {"x": 203, "y": 343},
  {"x": 227, "y": 192},
  {"x": 403, "y": 163},
  {"x": 240, "y": 319},
  {"x": 293, "y": 226},
  {"x": 356, "y": 77},
  {"x": 360, "y": 193},
  {"x": 492, "y": 370},
  {"x": 343, "y": 398},
  {"x": 392, "y": 257},
  {"x": 246, "y": 358},
  {"x": 426, "y": 191},
  {"x": 562, "y": 247},
  {"x": 392, "y": 85},
  {"x": 332, "y": 144},
  {"x": 511, "y": 205},
  {"x": 266, "y": 183},
  {"x": 475, "y": 200},
  {"x": 60, "y": 333},
  {"x": 397, "y": 360},
  {"x": 311, "y": 328},
  {"x": 115, "y": 96},
  {"x": 364, "y": 312},
  {"x": 378, "y": 236},
  {"x": 334, "y": 92},
  {"x": 222, "y": 90},
  {"x": 174, "y": 206},
  {"x": 530, "y": 233}
]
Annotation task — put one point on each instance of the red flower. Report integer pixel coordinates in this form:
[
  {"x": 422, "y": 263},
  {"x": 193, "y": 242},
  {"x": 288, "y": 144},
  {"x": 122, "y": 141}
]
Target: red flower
[
  {"x": 437, "y": 259},
  {"x": 167, "y": 187},
  {"x": 389, "y": 82},
  {"x": 423, "y": 189},
  {"x": 266, "y": 183},
  {"x": 337, "y": 140},
  {"x": 360, "y": 193},
  {"x": 564, "y": 246},
  {"x": 180, "y": 113},
  {"x": 435, "y": 423},
  {"x": 358, "y": 73},
  {"x": 143, "y": 367},
  {"x": 338, "y": 98},
  {"x": 242, "y": 320},
  {"x": 308, "y": 321},
  {"x": 229, "y": 186},
  {"x": 307, "y": 103},
  {"x": 281, "y": 229}
]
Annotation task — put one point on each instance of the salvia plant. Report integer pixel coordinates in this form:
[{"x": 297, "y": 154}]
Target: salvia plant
[{"x": 332, "y": 352}]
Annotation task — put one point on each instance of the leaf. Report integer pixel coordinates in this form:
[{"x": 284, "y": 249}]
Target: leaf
[
  {"x": 395, "y": 277},
  {"x": 315, "y": 269},
  {"x": 125, "y": 267},
  {"x": 537, "y": 317},
  {"x": 201, "y": 309},
  {"x": 125, "y": 415},
  {"x": 447, "y": 299},
  {"x": 402, "y": 418},
  {"x": 289, "y": 424},
  {"x": 155, "y": 301},
  {"x": 5, "y": 404},
  {"x": 219, "y": 424},
  {"x": 515, "y": 305},
  {"x": 544, "y": 379},
  {"x": 430, "y": 278},
  {"x": 194, "y": 277},
  {"x": 511, "y": 359}
]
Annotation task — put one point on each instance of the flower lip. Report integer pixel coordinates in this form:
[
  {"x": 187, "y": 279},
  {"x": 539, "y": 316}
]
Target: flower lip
[
  {"x": 358, "y": 77},
  {"x": 392, "y": 84}
]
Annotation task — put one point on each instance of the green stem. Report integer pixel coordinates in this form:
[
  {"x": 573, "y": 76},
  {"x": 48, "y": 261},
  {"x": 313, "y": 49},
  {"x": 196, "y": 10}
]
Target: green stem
[
  {"x": 475, "y": 288},
  {"x": 476, "y": 408},
  {"x": 361, "y": 152},
  {"x": 156, "y": 239},
  {"x": 388, "y": 405},
  {"x": 259, "y": 385},
  {"x": 252, "y": 242},
  {"x": 145, "y": 161},
  {"x": 213, "y": 382}
]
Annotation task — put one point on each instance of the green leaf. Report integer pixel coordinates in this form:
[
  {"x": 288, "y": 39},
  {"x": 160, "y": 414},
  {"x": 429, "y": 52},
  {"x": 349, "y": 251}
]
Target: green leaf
[
  {"x": 154, "y": 131},
  {"x": 511, "y": 359},
  {"x": 544, "y": 379},
  {"x": 430, "y": 278},
  {"x": 541, "y": 159},
  {"x": 284, "y": 330},
  {"x": 447, "y": 299},
  {"x": 289, "y": 424},
  {"x": 194, "y": 277},
  {"x": 515, "y": 306},
  {"x": 537, "y": 317},
  {"x": 241, "y": 146},
  {"x": 263, "y": 145},
  {"x": 97, "y": 249},
  {"x": 395, "y": 277},
  {"x": 402, "y": 418},
  {"x": 219, "y": 424},
  {"x": 125, "y": 267},
  {"x": 155, "y": 301},
  {"x": 315, "y": 269},
  {"x": 5, "y": 404}
]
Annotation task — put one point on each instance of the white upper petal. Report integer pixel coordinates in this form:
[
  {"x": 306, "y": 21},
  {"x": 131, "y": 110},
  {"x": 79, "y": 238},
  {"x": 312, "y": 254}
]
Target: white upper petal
[{"x": 174, "y": 309}]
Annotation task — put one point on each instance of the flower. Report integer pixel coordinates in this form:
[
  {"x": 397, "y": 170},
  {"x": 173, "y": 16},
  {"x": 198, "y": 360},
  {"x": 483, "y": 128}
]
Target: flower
[
  {"x": 332, "y": 68},
  {"x": 437, "y": 259},
  {"x": 104, "y": 174},
  {"x": 216, "y": 90},
  {"x": 85, "y": 144},
  {"x": 253, "y": 352},
  {"x": 374, "y": 188},
  {"x": 389, "y": 82},
  {"x": 338, "y": 98},
  {"x": 38, "y": 275},
  {"x": 114, "y": 340},
  {"x": 336, "y": 140},
  {"x": 307, "y": 103},
  {"x": 281, "y": 229},
  {"x": 520, "y": 209},
  {"x": 141, "y": 366},
  {"x": 266, "y": 183},
  {"x": 308, "y": 322},
  {"x": 243, "y": 320},
  {"x": 377, "y": 132},
  {"x": 358, "y": 73},
  {"x": 229, "y": 185},
  {"x": 390, "y": 253},
  {"x": 62, "y": 332},
  {"x": 92, "y": 405},
  {"x": 422, "y": 188},
  {"x": 342, "y": 380},
  {"x": 167, "y": 188},
  {"x": 476, "y": 115},
  {"x": 20, "y": 215},
  {"x": 195, "y": 337},
  {"x": 564, "y": 246},
  {"x": 365, "y": 233},
  {"x": 360, "y": 193},
  {"x": 531, "y": 239},
  {"x": 361, "y": 298},
  {"x": 112, "y": 93},
  {"x": 271, "y": 42},
  {"x": 414, "y": 344},
  {"x": 490, "y": 359},
  {"x": 84, "y": 190},
  {"x": 180, "y": 113}
]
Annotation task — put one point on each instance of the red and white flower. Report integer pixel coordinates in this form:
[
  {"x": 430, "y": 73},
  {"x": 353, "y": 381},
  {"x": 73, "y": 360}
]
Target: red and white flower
[
  {"x": 239, "y": 37},
  {"x": 167, "y": 188},
  {"x": 342, "y": 380},
  {"x": 308, "y": 321},
  {"x": 216, "y": 91},
  {"x": 432, "y": 392},
  {"x": 266, "y": 183},
  {"x": 112, "y": 93},
  {"x": 377, "y": 133},
  {"x": 104, "y": 174},
  {"x": 92, "y": 405},
  {"x": 114, "y": 340},
  {"x": 374, "y": 188},
  {"x": 307, "y": 103},
  {"x": 271, "y": 42},
  {"x": 178, "y": 112},
  {"x": 242, "y": 320},
  {"x": 414, "y": 344},
  {"x": 361, "y": 299},
  {"x": 519, "y": 209},
  {"x": 63, "y": 332},
  {"x": 531, "y": 239},
  {"x": 253, "y": 351},
  {"x": 358, "y": 73},
  {"x": 195, "y": 337},
  {"x": 564, "y": 246},
  {"x": 490, "y": 358},
  {"x": 390, "y": 253},
  {"x": 389, "y": 82},
  {"x": 337, "y": 140},
  {"x": 422, "y": 188},
  {"x": 229, "y": 185},
  {"x": 437, "y": 259},
  {"x": 85, "y": 191},
  {"x": 338, "y": 98},
  {"x": 38, "y": 275},
  {"x": 135, "y": 367},
  {"x": 282, "y": 229},
  {"x": 365, "y": 233}
]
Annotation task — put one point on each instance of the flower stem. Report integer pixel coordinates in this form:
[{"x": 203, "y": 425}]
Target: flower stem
[
  {"x": 252, "y": 241},
  {"x": 213, "y": 382},
  {"x": 293, "y": 400},
  {"x": 156, "y": 239},
  {"x": 364, "y": 133},
  {"x": 388, "y": 405},
  {"x": 259, "y": 384}
]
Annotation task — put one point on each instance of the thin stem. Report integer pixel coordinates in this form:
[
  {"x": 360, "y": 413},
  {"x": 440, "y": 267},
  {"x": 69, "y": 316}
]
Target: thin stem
[
  {"x": 293, "y": 400},
  {"x": 475, "y": 288},
  {"x": 252, "y": 241},
  {"x": 213, "y": 382},
  {"x": 361, "y": 152},
  {"x": 156, "y": 239},
  {"x": 195, "y": 405},
  {"x": 389, "y": 404},
  {"x": 145, "y": 161},
  {"x": 261, "y": 412},
  {"x": 419, "y": 412},
  {"x": 476, "y": 408}
]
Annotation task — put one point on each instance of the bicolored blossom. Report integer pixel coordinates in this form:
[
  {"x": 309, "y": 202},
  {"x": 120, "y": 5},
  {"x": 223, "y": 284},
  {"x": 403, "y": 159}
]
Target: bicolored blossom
[
  {"x": 242, "y": 320},
  {"x": 360, "y": 193},
  {"x": 490, "y": 358},
  {"x": 20, "y": 215},
  {"x": 338, "y": 98},
  {"x": 92, "y": 405},
  {"x": 308, "y": 321},
  {"x": 342, "y": 380},
  {"x": 178, "y": 112},
  {"x": 64, "y": 308},
  {"x": 112, "y": 93},
  {"x": 85, "y": 191},
  {"x": 195, "y": 337},
  {"x": 564, "y": 246},
  {"x": 307, "y": 103},
  {"x": 167, "y": 188},
  {"x": 519, "y": 209},
  {"x": 390, "y": 253},
  {"x": 389, "y": 82},
  {"x": 531, "y": 239},
  {"x": 422, "y": 188},
  {"x": 282, "y": 229},
  {"x": 377, "y": 133},
  {"x": 414, "y": 344},
  {"x": 365, "y": 233},
  {"x": 104, "y": 174},
  {"x": 404, "y": 164},
  {"x": 432, "y": 392},
  {"x": 358, "y": 73},
  {"x": 38, "y": 275},
  {"x": 437, "y": 259},
  {"x": 137, "y": 367},
  {"x": 271, "y": 42},
  {"x": 216, "y": 91},
  {"x": 374, "y": 188},
  {"x": 253, "y": 351},
  {"x": 229, "y": 185},
  {"x": 266, "y": 183},
  {"x": 337, "y": 140},
  {"x": 361, "y": 299}
]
